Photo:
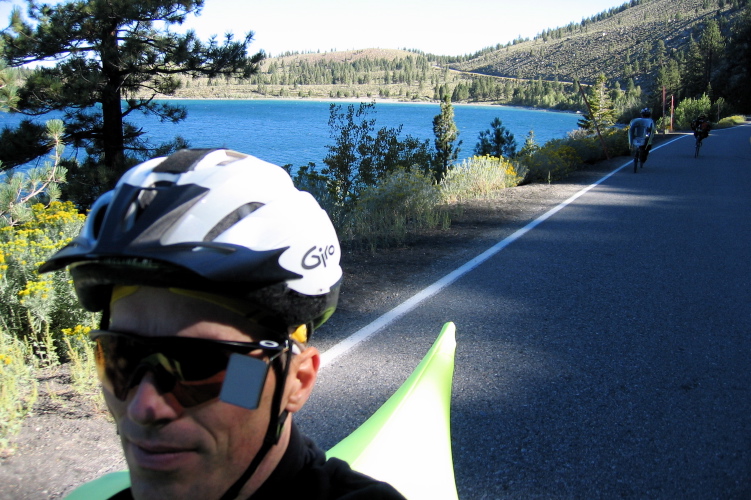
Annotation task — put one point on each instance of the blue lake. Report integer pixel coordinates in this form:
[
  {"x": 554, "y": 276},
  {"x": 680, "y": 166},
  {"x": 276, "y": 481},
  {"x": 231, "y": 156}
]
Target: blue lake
[{"x": 296, "y": 131}]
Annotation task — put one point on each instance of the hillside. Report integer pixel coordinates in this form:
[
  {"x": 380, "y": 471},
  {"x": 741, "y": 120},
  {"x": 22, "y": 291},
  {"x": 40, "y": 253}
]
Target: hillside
[
  {"x": 630, "y": 44},
  {"x": 342, "y": 56},
  {"x": 621, "y": 46},
  {"x": 367, "y": 73}
]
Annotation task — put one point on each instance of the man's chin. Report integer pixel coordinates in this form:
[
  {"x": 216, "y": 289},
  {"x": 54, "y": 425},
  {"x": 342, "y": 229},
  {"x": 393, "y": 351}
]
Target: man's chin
[
  {"x": 158, "y": 473},
  {"x": 151, "y": 485}
]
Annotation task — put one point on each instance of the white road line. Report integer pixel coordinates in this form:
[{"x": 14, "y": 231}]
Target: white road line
[{"x": 367, "y": 331}]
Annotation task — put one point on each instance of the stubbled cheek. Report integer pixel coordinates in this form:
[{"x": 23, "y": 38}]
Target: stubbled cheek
[{"x": 114, "y": 405}]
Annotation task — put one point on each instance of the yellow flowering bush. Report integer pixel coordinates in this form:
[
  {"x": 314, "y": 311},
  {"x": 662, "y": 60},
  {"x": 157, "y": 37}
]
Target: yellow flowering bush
[
  {"x": 77, "y": 331},
  {"x": 36, "y": 308}
]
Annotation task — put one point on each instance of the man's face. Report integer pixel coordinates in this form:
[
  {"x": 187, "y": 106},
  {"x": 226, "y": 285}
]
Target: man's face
[{"x": 177, "y": 452}]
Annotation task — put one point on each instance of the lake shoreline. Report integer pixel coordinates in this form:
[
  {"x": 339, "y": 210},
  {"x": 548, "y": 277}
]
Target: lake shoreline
[{"x": 376, "y": 100}]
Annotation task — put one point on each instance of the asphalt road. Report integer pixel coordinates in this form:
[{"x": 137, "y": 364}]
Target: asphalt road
[{"x": 603, "y": 353}]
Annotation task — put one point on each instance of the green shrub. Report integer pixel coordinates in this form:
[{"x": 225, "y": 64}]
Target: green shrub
[
  {"x": 478, "y": 177},
  {"x": 688, "y": 109},
  {"x": 559, "y": 157},
  {"x": 663, "y": 123},
  {"x": 385, "y": 214},
  {"x": 589, "y": 147},
  {"x": 553, "y": 161},
  {"x": 616, "y": 140}
]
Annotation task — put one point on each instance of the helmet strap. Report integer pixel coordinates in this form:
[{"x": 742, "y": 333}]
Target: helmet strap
[
  {"x": 273, "y": 431},
  {"x": 104, "y": 320}
]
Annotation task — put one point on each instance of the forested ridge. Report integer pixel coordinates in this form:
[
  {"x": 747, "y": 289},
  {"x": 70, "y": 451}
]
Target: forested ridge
[
  {"x": 639, "y": 47},
  {"x": 623, "y": 43}
]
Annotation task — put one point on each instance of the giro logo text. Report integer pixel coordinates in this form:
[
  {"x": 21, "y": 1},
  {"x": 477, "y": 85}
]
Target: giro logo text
[{"x": 317, "y": 256}]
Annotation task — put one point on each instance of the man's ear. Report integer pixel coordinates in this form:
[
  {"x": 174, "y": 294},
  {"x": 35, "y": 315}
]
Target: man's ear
[{"x": 302, "y": 377}]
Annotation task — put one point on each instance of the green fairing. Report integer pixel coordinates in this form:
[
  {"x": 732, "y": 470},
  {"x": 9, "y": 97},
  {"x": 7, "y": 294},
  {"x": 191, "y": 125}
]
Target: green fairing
[
  {"x": 406, "y": 443},
  {"x": 102, "y": 488}
]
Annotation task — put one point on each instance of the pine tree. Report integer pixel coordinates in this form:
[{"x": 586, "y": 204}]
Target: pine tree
[
  {"x": 739, "y": 62},
  {"x": 669, "y": 78},
  {"x": 498, "y": 141},
  {"x": 8, "y": 88},
  {"x": 660, "y": 52},
  {"x": 530, "y": 145},
  {"x": 111, "y": 59},
  {"x": 712, "y": 46},
  {"x": 601, "y": 111},
  {"x": 694, "y": 71},
  {"x": 446, "y": 135}
]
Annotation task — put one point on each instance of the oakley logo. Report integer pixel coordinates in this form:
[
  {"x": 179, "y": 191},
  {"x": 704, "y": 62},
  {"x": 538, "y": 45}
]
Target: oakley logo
[
  {"x": 269, "y": 343},
  {"x": 317, "y": 256}
]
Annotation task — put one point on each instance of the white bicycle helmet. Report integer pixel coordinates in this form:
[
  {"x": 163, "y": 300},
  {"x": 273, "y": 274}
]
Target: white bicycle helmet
[{"x": 212, "y": 220}]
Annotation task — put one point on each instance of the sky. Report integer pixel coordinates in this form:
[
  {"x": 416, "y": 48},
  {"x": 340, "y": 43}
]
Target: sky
[{"x": 442, "y": 27}]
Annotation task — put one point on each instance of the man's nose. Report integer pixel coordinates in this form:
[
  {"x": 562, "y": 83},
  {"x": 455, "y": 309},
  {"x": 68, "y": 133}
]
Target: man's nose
[{"x": 148, "y": 405}]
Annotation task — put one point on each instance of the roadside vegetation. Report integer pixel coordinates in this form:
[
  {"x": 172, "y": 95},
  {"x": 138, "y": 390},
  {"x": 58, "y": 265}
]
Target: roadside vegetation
[{"x": 381, "y": 188}]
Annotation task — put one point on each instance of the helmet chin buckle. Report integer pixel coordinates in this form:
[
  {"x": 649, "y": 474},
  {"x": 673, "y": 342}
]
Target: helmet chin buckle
[{"x": 244, "y": 381}]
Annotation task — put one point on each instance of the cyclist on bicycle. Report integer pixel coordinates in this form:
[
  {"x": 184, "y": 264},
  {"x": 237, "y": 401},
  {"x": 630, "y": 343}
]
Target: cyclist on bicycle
[
  {"x": 641, "y": 131},
  {"x": 212, "y": 271},
  {"x": 701, "y": 127}
]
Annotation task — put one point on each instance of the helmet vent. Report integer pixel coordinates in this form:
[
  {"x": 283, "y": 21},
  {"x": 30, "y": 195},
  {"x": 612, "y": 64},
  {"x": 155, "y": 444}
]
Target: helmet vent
[
  {"x": 183, "y": 160},
  {"x": 231, "y": 219},
  {"x": 143, "y": 199},
  {"x": 96, "y": 225}
]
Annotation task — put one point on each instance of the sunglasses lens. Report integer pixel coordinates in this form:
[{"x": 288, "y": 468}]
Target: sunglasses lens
[
  {"x": 194, "y": 393},
  {"x": 193, "y": 374}
]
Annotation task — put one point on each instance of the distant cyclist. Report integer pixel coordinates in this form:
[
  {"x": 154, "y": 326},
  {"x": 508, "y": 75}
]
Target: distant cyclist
[
  {"x": 701, "y": 127},
  {"x": 641, "y": 131}
]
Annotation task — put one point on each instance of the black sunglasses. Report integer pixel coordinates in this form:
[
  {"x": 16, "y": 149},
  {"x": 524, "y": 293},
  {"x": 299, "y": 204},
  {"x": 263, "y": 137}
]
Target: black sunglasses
[{"x": 194, "y": 370}]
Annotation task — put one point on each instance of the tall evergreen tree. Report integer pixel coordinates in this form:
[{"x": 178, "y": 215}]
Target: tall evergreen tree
[
  {"x": 530, "y": 145},
  {"x": 112, "y": 58},
  {"x": 712, "y": 46},
  {"x": 739, "y": 63},
  {"x": 669, "y": 79},
  {"x": 694, "y": 71},
  {"x": 446, "y": 136},
  {"x": 660, "y": 52},
  {"x": 601, "y": 111}
]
